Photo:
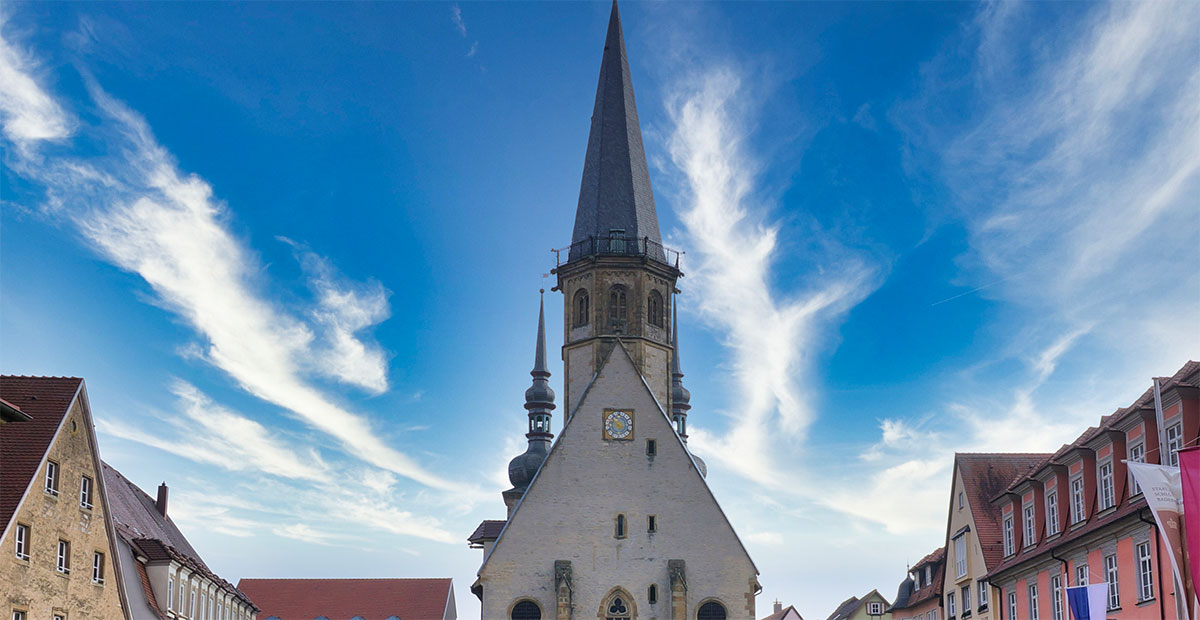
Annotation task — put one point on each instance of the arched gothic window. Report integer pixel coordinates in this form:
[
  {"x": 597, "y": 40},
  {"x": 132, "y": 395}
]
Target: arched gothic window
[
  {"x": 617, "y": 310},
  {"x": 654, "y": 309},
  {"x": 526, "y": 610},
  {"x": 711, "y": 610},
  {"x": 617, "y": 609},
  {"x": 652, "y": 594},
  {"x": 582, "y": 307}
]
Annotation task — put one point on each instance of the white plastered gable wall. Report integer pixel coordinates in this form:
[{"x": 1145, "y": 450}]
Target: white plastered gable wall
[{"x": 570, "y": 509}]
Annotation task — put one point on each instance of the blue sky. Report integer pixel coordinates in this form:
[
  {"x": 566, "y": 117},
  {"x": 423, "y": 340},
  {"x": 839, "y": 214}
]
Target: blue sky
[{"x": 295, "y": 249}]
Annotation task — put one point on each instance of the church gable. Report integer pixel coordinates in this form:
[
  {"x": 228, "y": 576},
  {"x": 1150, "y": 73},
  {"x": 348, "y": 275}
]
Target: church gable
[{"x": 618, "y": 497}]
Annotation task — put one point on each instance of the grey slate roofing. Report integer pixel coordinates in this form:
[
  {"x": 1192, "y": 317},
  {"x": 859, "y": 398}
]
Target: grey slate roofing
[
  {"x": 615, "y": 192},
  {"x": 135, "y": 516}
]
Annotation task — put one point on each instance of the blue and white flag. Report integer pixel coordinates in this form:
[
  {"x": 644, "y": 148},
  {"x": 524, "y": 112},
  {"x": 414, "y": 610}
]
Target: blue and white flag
[{"x": 1088, "y": 602}]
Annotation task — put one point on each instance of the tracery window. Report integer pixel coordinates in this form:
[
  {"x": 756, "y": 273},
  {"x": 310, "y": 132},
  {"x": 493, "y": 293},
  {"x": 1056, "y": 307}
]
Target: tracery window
[
  {"x": 654, "y": 309},
  {"x": 711, "y": 610},
  {"x": 617, "y": 609},
  {"x": 526, "y": 610},
  {"x": 582, "y": 307},
  {"x": 617, "y": 310}
]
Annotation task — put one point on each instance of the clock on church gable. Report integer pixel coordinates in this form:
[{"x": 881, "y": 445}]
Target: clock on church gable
[{"x": 618, "y": 424}]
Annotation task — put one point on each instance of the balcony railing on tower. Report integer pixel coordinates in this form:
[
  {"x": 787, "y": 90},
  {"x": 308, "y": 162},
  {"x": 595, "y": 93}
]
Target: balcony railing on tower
[{"x": 618, "y": 245}]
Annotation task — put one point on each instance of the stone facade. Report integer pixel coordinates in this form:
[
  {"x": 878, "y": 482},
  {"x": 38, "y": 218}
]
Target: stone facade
[
  {"x": 36, "y": 585},
  {"x": 587, "y": 483}
]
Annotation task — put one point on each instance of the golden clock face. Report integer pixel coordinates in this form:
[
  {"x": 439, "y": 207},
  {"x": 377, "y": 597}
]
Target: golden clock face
[{"x": 618, "y": 424}]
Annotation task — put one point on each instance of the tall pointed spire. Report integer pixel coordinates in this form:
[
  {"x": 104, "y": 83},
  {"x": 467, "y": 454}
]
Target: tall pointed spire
[
  {"x": 539, "y": 403},
  {"x": 680, "y": 397},
  {"x": 615, "y": 199}
]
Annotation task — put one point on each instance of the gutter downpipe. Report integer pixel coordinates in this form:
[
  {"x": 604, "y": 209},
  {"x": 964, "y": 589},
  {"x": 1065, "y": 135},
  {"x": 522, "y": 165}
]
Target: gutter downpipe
[
  {"x": 1158, "y": 560},
  {"x": 1066, "y": 575}
]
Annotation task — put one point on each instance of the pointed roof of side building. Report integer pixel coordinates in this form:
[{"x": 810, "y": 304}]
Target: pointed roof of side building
[
  {"x": 23, "y": 446},
  {"x": 343, "y": 599},
  {"x": 986, "y": 475},
  {"x": 787, "y": 613},
  {"x": 615, "y": 191}
]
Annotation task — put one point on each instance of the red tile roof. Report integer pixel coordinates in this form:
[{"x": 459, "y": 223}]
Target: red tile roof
[
  {"x": 985, "y": 476},
  {"x": 1188, "y": 376},
  {"x": 147, "y": 590},
  {"x": 23, "y": 445},
  {"x": 931, "y": 590},
  {"x": 342, "y": 599},
  {"x": 783, "y": 614}
]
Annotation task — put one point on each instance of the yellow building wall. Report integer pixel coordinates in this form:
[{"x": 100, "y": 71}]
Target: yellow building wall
[{"x": 35, "y": 586}]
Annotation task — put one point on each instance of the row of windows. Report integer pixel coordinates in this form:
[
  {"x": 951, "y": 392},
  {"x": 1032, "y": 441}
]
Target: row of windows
[
  {"x": 617, "y": 608},
  {"x": 1145, "y": 585},
  {"x": 52, "y": 485},
  {"x": 200, "y": 605},
  {"x": 618, "y": 311},
  {"x": 952, "y": 603},
  {"x": 24, "y": 545},
  {"x": 19, "y": 614},
  {"x": 620, "y": 530},
  {"x": 1105, "y": 494}
]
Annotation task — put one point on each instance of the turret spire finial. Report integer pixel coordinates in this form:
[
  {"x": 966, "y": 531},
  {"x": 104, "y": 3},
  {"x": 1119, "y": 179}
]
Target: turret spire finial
[
  {"x": 539, "y": 403},
  {"x": 680, "y": 397}
]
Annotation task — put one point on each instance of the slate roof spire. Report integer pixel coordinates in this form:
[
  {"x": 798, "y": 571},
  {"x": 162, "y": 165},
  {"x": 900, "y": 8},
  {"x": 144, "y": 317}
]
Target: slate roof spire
[
  {"x": 539, "y": 403},
  {"x": 615, "y": 193}
]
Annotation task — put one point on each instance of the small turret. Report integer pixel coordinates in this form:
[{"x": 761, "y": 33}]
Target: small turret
[
  {"x": 680, "y": 397},
  {"x": 539, "y": 403}
]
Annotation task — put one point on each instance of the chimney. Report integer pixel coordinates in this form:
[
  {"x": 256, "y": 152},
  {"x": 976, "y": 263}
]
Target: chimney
[
  {"x": 778, "y": 606},
  {"x": 161, "y": 503}
]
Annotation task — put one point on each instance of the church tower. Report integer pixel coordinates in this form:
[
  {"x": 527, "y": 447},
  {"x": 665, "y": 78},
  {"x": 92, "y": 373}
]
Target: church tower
[{"x": 613, "y": 520}]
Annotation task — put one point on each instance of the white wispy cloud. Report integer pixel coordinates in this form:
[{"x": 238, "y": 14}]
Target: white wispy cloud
[
  {"x": 29, "y": 114},
  {"x": 731, "y": 253},
  {"x": 457, "y": 17},
  {"x": 139, "y": 211},
  {"x": 1077, "y": 185}
]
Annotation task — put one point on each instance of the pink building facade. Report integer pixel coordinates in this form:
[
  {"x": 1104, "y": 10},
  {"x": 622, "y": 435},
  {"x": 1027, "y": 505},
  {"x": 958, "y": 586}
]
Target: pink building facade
[{"x": 1079, "y": 518}]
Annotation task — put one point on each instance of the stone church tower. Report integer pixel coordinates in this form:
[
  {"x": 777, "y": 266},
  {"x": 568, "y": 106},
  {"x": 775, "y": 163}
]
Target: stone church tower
[{"x": 614, "y": 520}]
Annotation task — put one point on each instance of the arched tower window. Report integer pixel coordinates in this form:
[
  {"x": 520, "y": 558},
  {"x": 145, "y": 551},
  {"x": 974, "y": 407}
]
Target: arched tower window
[
  {"x": 526, "y": 610},
  {"x": 617, "y": 310},
  {"x": 711, "y": 610},
  {"x": 582, "y": 307},
  {"x": 652, "y": 594},
  {"x": 654, "y": 309},
  {"x": 617, "y": 608}
]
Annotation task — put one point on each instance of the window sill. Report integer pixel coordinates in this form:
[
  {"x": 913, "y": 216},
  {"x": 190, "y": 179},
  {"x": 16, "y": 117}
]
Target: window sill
[
  {"x": 1147, "y": 601},
  {"x": 1106, "y": 511}
]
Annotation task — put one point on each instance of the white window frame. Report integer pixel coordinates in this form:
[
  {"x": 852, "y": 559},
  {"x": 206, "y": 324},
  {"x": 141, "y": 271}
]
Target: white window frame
[
  {"x": 1106, "y": 487},
  {"x": 1137, "y": 454},
  {"x": 960, "y": 500},
  {"x": 983, "y": 594},
  {"x": 21, "y": 548},
  {"x": 1033, "y": 601},
  {"x": 1174, "y": 443},
  {"x": 1029, "y": 519},
  {"x": 1010, "y": 545},
  {"x": 63, "y": 563},
  {"x": 85, "y": 492},
  {"x": 97, "y": 567},
  {"x": 1145, "y": 571},
  {"x": 1052, "y": 512},
  {"x": 171, "y": 593},
  {"x": 966, "y": 598},
  {"x": 1012, "y": 604},
  {"x": 874, "y": 609},
  {"x": 1056, "y": 604},
  {"x": 1078, "y": 503},
  {"x": 18, "y": 614},
  {"x": 52, "y": 478},
  {"x": 1081, "y": 574},
  {"x": 951, "y": 608},
  {"x": 1113, "y": 576},
  {"x": 960, "y": 555}
]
